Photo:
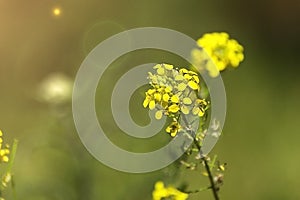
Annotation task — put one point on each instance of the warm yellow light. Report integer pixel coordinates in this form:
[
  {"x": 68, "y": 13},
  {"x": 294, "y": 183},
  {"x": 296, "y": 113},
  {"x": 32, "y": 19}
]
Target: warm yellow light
[{"x": 56, "y": 11}]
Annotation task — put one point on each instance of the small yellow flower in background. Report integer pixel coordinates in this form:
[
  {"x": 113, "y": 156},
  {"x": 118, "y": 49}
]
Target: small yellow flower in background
[
  {"x": 4, "y": 152},
  {"x": 6, "y": 179},
  {"x": 161, "y": 192},
  {"x": 6, "y": 156},
  {"x": 222, "y": 51}
]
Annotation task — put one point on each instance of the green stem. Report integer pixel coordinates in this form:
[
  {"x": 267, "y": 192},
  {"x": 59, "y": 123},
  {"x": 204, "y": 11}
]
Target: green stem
[
  {"x": 207, "y": 167},
  {"x": 199, "y": 190},
  {"x": 213, "y": 186},
  {"x": 208, "y": 170}
]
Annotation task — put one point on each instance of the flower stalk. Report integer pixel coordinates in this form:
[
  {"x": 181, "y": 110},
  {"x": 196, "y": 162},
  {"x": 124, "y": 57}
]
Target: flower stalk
[
  {"x": 209, "y": 173},
  {"x": 180, "y": 94}
]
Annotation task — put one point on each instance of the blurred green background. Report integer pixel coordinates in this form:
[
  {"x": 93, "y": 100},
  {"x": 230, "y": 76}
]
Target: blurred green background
[{"x": 38, "y": 48}]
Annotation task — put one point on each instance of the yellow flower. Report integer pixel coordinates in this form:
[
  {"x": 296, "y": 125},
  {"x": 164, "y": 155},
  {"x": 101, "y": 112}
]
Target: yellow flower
[
  {"x": 169, "y": 86},
  {"x": 191, "y": 78},
  {"x": 173, "y": 128},
  {"x": 200, "y": 107},
  {"x": 4, "y": 152},
  {"x": 172, "y": 94},
  {"x": 161, "y": 192},
  {"x": 222, "y": 50}
]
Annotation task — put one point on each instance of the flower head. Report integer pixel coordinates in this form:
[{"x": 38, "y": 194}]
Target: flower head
[
  {"x": 173, "y": 93},
  {"x": 4, "y": 152},
  {"x": 161, "y": 192},
  {"x": 200, "y": 107},
  {"x": 173, "y": 128},
  {"x": 221, "y": 50}
]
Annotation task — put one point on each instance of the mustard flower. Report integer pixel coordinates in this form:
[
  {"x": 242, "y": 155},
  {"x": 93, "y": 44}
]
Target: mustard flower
[
  {"x": 161, "y": 192},
  {"x": 192, "y": 78},
  {"x": 4, "y": 152},
  {"x": 169, "y": 87},
  {"x": 173, "y": 93},
  {"x": 173, "y": 128},
  {"x": 221, "y": 50},
  {"x": 200, "y": 107},
  {"x": 157, "y": 95}
]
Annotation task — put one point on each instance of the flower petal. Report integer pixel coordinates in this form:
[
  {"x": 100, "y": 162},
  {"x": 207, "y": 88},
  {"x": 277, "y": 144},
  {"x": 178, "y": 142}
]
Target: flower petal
[
  {"x": 160, "y": 71},
  {"x": 157, "y": 96},
  {"x": 173, "y": 108},
  {"x": 185, "y": 110},
  {"x": 193, "y": 85},
  {"x": 187, "y": 101},
  {"x": 195, "y": 110},
  {"x": 159, "y": 114},
  {"x": 166, "y": 97},
  {"x": 179, "y": 77},
  {"x": 181, "y": 86},
  {"x": 174, "y": 133},
  {"x": 175, "y": 99},
  {"x": 146, "y": 102},
  {"x": 168, "y": 66},
  {"x": 152, "y": 105}
]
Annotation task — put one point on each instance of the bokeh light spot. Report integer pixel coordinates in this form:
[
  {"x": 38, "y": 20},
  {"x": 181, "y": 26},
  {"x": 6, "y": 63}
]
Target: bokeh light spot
[{"x": 56, "y": 12}]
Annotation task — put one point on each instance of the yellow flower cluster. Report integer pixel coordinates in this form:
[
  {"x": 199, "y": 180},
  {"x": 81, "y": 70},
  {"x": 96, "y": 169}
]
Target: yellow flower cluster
[
  {"x": 4, "y": 152},
  {"x": 222, "y": 51},
  {"x": 161, "y": 192},
  {"x": 174, "y": 92}
]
